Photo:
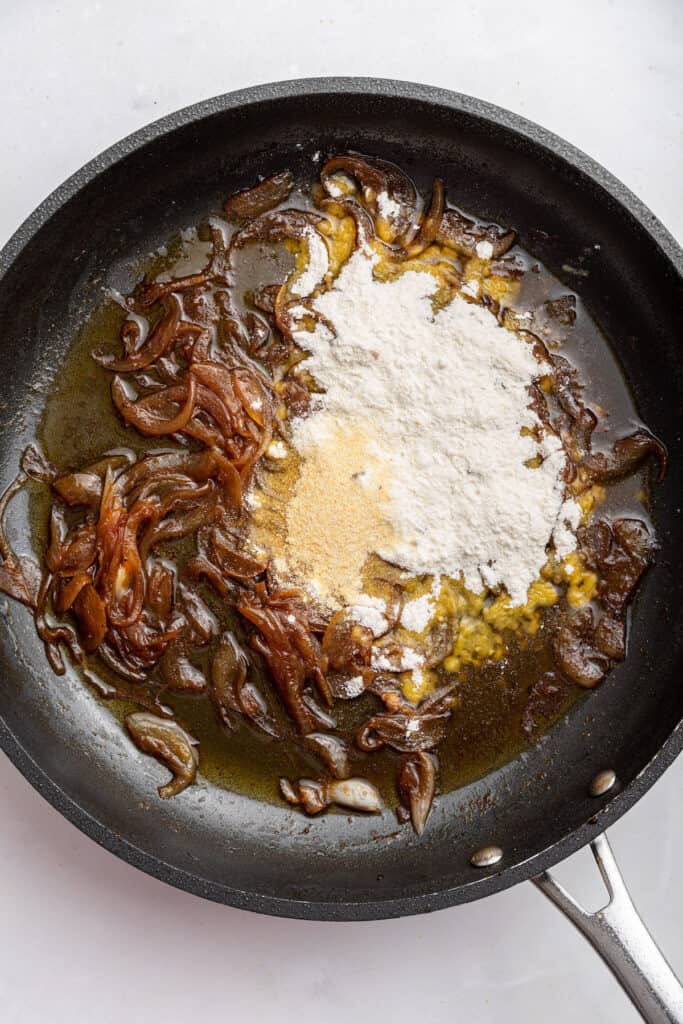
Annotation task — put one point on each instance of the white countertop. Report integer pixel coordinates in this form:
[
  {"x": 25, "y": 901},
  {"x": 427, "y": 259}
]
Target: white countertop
[{"x": 84, "y": 937}]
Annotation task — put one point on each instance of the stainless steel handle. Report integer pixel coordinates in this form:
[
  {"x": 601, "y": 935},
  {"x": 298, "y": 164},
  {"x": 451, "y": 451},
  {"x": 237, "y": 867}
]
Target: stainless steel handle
[{"x": 622, "y": 940}]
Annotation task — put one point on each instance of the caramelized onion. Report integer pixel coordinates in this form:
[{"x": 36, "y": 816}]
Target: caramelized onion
[
  {"x": 376, "y": 177},
  {"x": 285, "y": 641},
  {"x": 168, "y": 742},
  {"x": 575, "y": 653},
  {"x": 314, "y": 797},
  {"x": 276, "y": 226},
  {"x": 178, "y": 673},
  {"x": 251, "y": 202},
  {"x": 146, "y": 415},
  {"x": 410, "y": 729},
  {"x": 429, "y": 228},
  {"x": 332, "y": 750},
  {"x": 625, "y": 456},
  {"x": 232, "y": 691},
  {"x": 417, "y": 785},
  {"x": 160, "y": 339}
]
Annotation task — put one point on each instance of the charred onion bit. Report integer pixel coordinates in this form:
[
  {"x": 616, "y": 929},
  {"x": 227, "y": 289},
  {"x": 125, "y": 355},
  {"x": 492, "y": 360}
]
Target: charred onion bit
[
  {"x": 285, "y": 641},
  {"x": 233, "y": 692},
  {"x": 168, "y": 742},
  {"x": 410, "y": 729},
  {"x": 417, "y": 785},
  {"x": 354, "y": 794},
  {"x": 252, "y": 202}
]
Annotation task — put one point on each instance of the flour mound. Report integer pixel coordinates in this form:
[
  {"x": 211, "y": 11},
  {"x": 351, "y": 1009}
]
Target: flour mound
[{"x": 445, "y": 397}]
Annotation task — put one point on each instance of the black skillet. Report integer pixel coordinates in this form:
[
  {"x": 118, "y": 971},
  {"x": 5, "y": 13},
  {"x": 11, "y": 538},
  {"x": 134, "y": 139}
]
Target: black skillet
[{"x": 536, "y": 809}]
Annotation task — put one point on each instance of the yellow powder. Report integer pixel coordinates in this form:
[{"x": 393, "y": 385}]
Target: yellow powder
[{"x": 336, "y": 516}]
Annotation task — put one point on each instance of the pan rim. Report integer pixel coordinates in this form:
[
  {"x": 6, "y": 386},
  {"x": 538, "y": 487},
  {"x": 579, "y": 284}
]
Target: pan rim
[{"x": 486, "y": 883}]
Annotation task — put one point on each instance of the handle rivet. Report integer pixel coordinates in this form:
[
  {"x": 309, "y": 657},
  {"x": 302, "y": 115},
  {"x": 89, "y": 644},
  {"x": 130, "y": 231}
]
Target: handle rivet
[
  {"x": 603, "y": 782},
  {"x": 486, "y": 857}
]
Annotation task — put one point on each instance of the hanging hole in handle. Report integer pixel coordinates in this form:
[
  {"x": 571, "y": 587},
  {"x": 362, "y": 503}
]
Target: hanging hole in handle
[{"x": 579, "y": 876}]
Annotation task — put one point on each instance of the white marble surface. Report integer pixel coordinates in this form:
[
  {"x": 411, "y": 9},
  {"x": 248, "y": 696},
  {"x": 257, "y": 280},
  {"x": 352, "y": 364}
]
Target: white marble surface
[{"x": 83, "y": 935}]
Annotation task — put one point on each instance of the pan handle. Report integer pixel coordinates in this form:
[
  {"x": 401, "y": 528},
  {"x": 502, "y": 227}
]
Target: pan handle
[{"x": 622, "y": 940}]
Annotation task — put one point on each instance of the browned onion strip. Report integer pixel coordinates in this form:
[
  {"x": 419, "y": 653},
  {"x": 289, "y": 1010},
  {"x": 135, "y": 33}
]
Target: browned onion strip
[
  {"x": 13, "y": 489},
  {"x": 20, "y": 578},
  {"x": 79, "y": 488},
  {"x": 285, "y": 642},
  {"x": 463, "y": 235},
  {"x": 429, "y": 228},
  {"x": 178, "y": 672},
  {"x": 162, "y": 289},
  {"x": 417, "y": 786},
  {"x": 179, "y": 525},
  {"x": 374, "y": 178},
  {"x": 232, "y": 691},
  {"x": 159, "y": 341},
  {"x": 92, "y": 617},
  {"x": 276, "y": 226},
  {"x": 625, "y": 456},
  {"x": 69, "y": 591},
  {"x": 251, "y": 202},
  {"x": 169, "y": 743},
  {"x": 52, "y": 636},
  {"x": 143, "y": 696},
  {"x": 254, "y": 401},
  {"x": 365, "y": 225},
  {"x": 408, "y": 729},
  {"x": 36, "y": 466},
  {"x": 71, "y": 552},
  {"x": 139, "y": 413},
  {"x": 219, "y": 380}
]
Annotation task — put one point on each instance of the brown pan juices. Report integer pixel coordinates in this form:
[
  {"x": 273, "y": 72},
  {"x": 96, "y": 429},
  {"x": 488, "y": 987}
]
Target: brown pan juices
[{"x": 167, "y": 417}]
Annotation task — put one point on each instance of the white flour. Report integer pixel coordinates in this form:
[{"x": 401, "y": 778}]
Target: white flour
[
  {"x": 417, "y": 613},
  {"x": 445, "y": 396},
  {"x": 387, "y": 207},
  {"x": 370, "y": 615},
  {"x": 316, "y": 268}
]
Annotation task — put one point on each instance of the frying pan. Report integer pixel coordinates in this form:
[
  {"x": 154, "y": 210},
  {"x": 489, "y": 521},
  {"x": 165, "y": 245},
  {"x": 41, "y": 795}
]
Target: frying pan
[{"x": 534, "y": 811}]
